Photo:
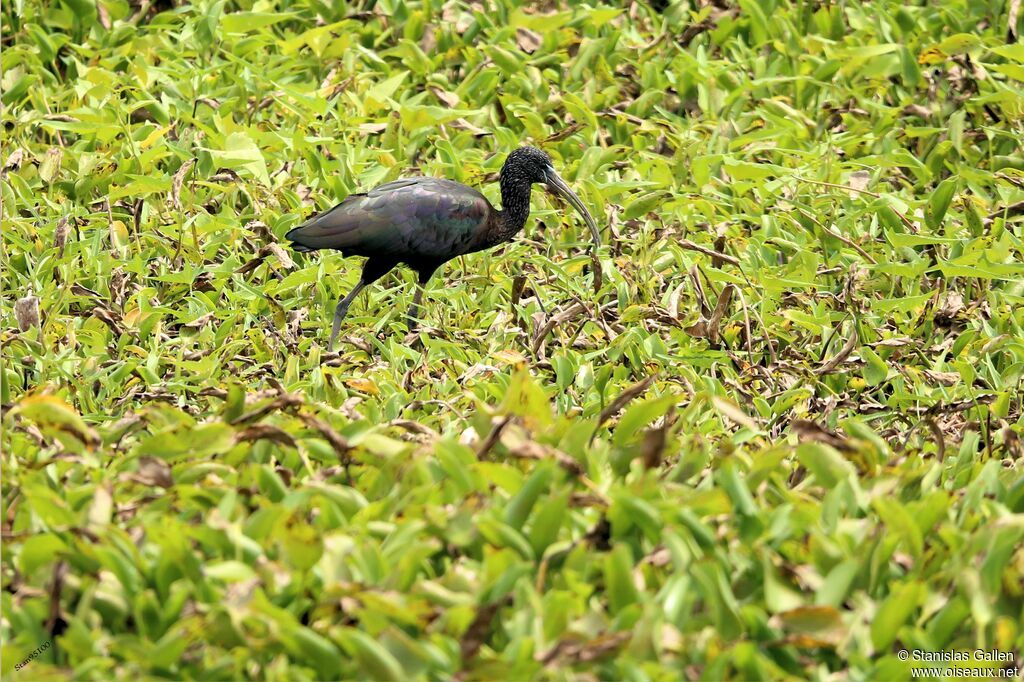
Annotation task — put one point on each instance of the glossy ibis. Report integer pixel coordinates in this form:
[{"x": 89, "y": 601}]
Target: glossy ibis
[{"x": 426, "y": 222}]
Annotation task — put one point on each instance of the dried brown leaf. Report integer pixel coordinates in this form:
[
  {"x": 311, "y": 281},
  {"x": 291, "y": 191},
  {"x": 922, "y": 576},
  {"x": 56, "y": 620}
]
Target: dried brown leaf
[
  {"x": 338, "y": 442},
  {"x": 624, "y": 398},
  {"x": 281, "y": 402},
  {"x": 527, "y": 40},
  {"x": 653, "y": 445},
  {"x": 858, "y": 182},
  {"x": 812, "y": 431},
  {"x": 733, "y": 412},
  {"x": 200, "y": 321},
  {"x": 463, "y": 124},
  {"x": 573, "y": 652},
  {"x": 844, "y": 353},
  {"x": 60, "y": 234},
  {"x": 103, "y": 14},
  {"x": 716, "y": 317},
  {"x": 558, "y": 318},
  {"x": 916, "y": 110},
  {"x": 415, "y": 427},
  {"x": 449, "y": 99},
  {"x": 154, "y": 471},
  {"x": 282, "y": 256},
  {"x": 269, "y": 432},
  {"x": 562, "y": 134},
  {"x": 179, "y": 179},
  {"x": 110, "y": 318},
  {"x": 26, "y": 312},
  {"x": 477, "y": 632},
  {"x": 225, "y": 175},
  {"x": 14, "y": 159},
  {"x": 528, "y": 449},
  {"x": 951, "y": 307},
  {"x": 687, "y": 244}
]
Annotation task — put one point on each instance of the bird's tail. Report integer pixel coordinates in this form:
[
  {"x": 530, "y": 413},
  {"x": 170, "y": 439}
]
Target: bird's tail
[
  {"x": 330, "y": 229},
  {"x": 295, "y": 237}
]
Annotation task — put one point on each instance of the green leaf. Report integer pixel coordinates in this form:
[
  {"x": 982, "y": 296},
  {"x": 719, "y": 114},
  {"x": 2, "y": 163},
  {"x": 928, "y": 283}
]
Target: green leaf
[
  {"x": 518, "y": 510},
  {"x": 900, "y": 523},
  {"x": 206, "y": 27},
  {"x": 640, "y": 414},
  {"x": 893, "y": 613},
  {"x": 229, "y": 571},
  {"x": 196, "y": 443},
  {"x": 742, "y": 501},
  {"x": 836, "y": 587},
  {"x": 939, "y": 202},
  {"x": 303, "y": 544},
  {"x": 618, "y": 579},
  {"x": 502, "y": 535},
  {"x": 378, "y": 96},
  {"x": 38, "y": 551},
  {"x": 778, "y": 596},
  {"x": 875, "y": 368},
  {"x": 825, "y": 463},
  {"x": 309, "y": 646},
  {"x": 376, "y": 662},
  {"x": 249, "y": 22},
  {"x": 1014, "y": 51},
  {"x": 743, "y": 170}
]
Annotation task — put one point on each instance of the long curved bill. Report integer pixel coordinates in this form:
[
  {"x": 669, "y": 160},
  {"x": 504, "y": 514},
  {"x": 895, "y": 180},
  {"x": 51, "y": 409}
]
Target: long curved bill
[{"x": 557, "y": 185}]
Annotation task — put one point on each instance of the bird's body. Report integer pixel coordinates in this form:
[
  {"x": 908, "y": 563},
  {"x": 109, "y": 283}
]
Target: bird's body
[
  {"x": 425, "y": 222},
  {"x": 420, "y": 220}
]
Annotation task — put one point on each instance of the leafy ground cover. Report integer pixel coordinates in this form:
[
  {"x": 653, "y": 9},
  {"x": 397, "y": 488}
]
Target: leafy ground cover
[{"x": 782, "y": 440}]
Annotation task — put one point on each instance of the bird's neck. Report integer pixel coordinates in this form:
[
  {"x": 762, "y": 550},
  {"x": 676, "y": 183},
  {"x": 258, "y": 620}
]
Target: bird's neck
[{"x": 515, "y": 208}]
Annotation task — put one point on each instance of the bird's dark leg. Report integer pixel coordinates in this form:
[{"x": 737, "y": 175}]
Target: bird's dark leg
[
  {"x": 372, "y": 271},
  {"x": 341, "y": 310},
  {"x": 414, "y": 309}
]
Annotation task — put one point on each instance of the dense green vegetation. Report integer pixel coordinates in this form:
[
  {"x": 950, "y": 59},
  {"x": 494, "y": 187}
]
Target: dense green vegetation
[{"x": 782, "y": 440}]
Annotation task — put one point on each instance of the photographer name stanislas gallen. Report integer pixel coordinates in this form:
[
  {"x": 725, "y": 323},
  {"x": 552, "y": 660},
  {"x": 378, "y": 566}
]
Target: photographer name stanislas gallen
[{"x": 991, "y": 656}]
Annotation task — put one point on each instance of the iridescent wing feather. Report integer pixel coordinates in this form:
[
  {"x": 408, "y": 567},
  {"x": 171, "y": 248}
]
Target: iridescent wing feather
[{"x": 416, "y": 219}]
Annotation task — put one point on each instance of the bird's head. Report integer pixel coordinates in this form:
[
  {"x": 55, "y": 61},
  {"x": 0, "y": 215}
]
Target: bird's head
[
  {"x": 528, "y": 164},
  {"x": 533, "y": 166}
]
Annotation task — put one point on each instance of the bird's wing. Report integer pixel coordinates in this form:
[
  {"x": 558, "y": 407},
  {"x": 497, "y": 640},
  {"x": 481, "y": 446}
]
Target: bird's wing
[{"x": 420, "y": 218}]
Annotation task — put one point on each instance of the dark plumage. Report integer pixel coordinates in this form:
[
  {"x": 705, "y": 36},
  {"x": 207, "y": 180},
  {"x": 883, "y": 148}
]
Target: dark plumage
[{"x": 425, "y": 222}]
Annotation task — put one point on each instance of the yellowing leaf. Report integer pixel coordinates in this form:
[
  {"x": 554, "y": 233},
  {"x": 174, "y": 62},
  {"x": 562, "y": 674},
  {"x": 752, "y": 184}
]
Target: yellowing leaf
[
  {"x": 362, "y": 384},
  {"x": 510, "y": 356},
  {"x": 729, "y": 409},
  {"x": 241, "y": 153},
  {"x": 49, "y": 169},
  {"x": 141, "y": 186},
  {"x": 540, "y": 22},
  {"x": 527, "y": 400},
  {"x": 52, "y": 412},
  {"x": 377, "y": 96},
  {"x": 248, "y": 22},
  {"x": 415, "y": 117},
  {"x": 152, "y": 138}
]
